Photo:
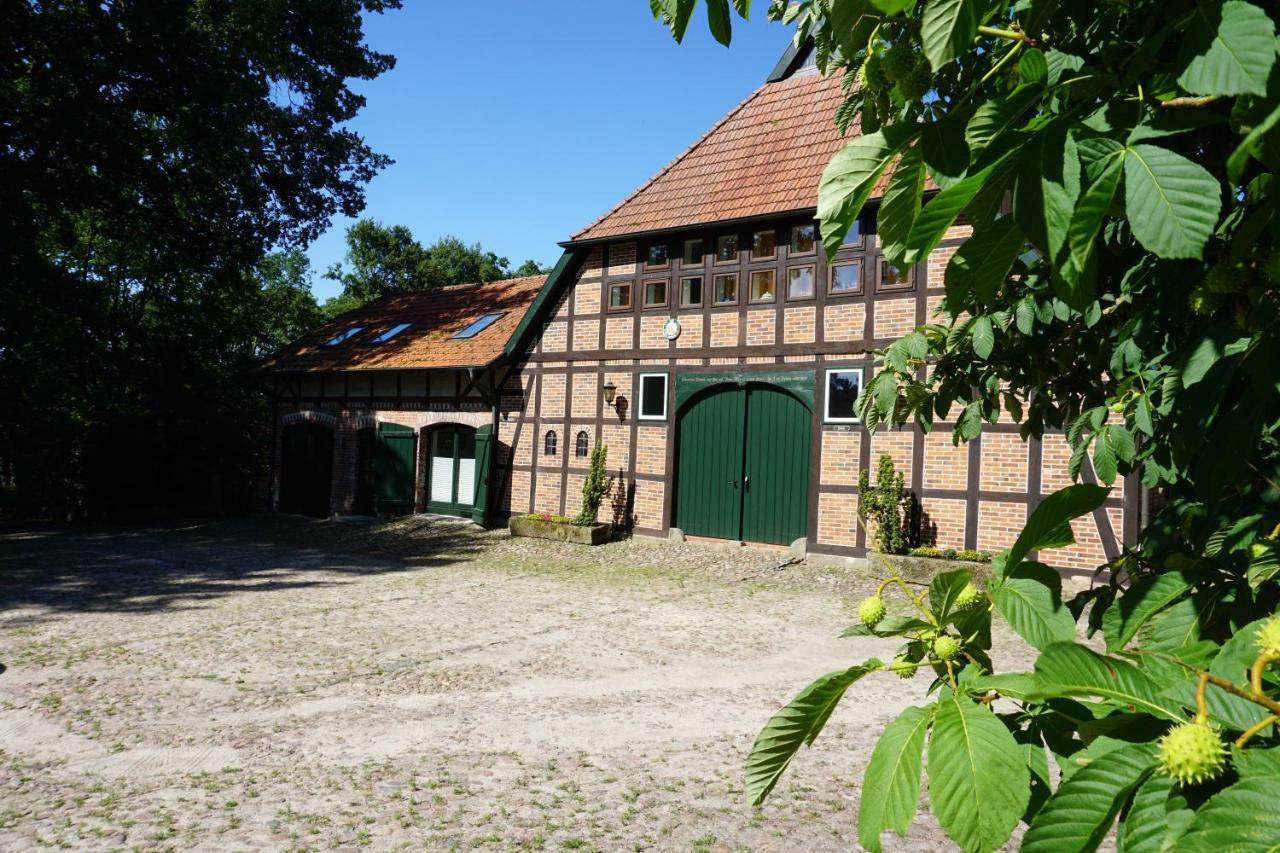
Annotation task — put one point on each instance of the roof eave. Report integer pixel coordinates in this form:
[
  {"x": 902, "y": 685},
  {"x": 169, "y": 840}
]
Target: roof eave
[{"x": 691, "y": 226}]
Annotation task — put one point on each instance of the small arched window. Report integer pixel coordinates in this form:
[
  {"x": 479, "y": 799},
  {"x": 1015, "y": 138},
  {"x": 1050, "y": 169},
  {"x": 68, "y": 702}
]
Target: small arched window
[
  {"x": 580, "y": 444},
  {"x": 549, "y": 443}
]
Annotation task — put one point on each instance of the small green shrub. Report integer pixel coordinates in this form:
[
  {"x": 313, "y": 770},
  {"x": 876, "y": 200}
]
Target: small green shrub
[
  {"x": 971, "y": 556},
  {"x": 595, "y": 486},
  {"x": 883, "y": 504},
  {"x": 925, "y": 551}
]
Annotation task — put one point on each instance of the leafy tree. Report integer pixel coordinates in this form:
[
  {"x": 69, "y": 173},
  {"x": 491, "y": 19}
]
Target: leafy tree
[
  {"x": 286, "y": 304},
  {"x": 380, "y": 260},
  {"x": 530, "y": 267},
  {"x": 152, "y": 155},
  {"x": 386, "y": 259},
  {"x": 1127, "y": 296},
  {"x": 451, "y": 261}
]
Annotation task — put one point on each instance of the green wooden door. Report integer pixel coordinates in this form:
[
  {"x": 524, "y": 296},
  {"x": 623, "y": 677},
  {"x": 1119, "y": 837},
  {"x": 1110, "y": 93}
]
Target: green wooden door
[
  {"x": 775, "y": 473},
  {"x": 709, "y": 466},
  {"x": 484, "y": 473},
  {"x": 306, "y": 469},
  {"x": 394, "y": 468},
  {"x": 743, "y": 465}
]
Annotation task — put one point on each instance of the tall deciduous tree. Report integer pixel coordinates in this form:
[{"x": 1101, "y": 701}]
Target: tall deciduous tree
[
  {"x": 1129, "y": 298},
  {"x": 386, "y": 259},
  {"x": 151, "y": 155}
]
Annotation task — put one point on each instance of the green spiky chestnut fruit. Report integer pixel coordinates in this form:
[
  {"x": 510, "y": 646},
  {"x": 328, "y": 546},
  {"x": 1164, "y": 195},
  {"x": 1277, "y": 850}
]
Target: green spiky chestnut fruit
[
  {"x": 1192, "y": 753},
  {"x": 899, "y": 61},
  {"x": 871, "y": 610},
  {"x": 946, "y": 647},
  {"x": 904, "y": 668},
  {"x": 1269, "y": 637},
  {"x": 915, "y": 85},
  {"x": 969, "y": 597},
  {"x": 1223, "y": 279}
]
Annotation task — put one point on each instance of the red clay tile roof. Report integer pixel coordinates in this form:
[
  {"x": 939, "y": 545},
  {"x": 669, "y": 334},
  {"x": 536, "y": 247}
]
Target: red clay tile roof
[
  {"x": 764, "y": 157},
  {"x": 434, "y": 316}
]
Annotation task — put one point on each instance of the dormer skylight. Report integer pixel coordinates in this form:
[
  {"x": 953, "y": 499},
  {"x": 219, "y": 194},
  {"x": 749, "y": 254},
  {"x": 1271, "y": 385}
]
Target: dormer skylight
[
  {"x": 477, "y": 326},
  {"x": 344, "y": 335},
  {"x": 391, "y": 333}
]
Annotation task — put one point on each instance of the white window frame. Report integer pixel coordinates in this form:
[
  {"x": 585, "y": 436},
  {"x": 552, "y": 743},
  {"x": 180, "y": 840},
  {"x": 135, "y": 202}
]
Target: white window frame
[
  {"x": 666, "y": 389},
  {"x": 826, "y": 395}
]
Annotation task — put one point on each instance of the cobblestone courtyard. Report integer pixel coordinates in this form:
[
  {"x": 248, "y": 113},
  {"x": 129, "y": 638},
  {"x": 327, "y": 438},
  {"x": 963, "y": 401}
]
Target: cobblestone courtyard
[{"x": 279, "y": 683}]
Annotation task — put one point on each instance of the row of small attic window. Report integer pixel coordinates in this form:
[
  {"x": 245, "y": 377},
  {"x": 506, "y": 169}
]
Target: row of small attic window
[{"x": 469, "y": 331}]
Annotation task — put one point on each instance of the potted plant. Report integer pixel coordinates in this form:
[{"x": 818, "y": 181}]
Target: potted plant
[{"x": 582, "y": 529}]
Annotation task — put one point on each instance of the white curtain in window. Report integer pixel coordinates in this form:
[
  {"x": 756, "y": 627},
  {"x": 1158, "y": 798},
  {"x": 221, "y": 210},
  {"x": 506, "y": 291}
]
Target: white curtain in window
[
  {"x": 442, "y": 479},
  {"x": 466, "y": 481}
]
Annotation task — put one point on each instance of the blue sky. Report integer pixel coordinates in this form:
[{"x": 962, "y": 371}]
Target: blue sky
[{"x": 515, "y": 123}]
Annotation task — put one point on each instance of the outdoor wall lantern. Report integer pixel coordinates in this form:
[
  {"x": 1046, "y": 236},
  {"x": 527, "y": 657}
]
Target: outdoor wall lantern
[{"x": 610, "y": 391}]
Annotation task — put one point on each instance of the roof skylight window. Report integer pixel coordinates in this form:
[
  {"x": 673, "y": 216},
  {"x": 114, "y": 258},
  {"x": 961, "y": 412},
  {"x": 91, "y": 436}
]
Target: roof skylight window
[
  {"x": 475, "y": 327},
  {"x": 342, "y": 336},
  {"x": 391, "y": 333}
]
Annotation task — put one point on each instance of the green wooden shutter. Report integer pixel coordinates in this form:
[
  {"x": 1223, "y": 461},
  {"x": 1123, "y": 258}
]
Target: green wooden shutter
[
  {"x": 775, "y": 502},
  {"x": 394, "y": 469},
  {"x": 709, "y": 476},
  {"x": 484, "y": 474}
]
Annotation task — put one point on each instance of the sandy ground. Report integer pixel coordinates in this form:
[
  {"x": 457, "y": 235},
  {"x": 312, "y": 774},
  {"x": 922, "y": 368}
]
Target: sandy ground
[{"x": 282, "y": 683}]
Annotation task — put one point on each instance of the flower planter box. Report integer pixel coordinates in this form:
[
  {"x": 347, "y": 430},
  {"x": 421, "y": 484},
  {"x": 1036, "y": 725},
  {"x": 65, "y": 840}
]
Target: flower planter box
[
  {"x": 925, "y": 569},
  {"x": 536, "y": 528}
]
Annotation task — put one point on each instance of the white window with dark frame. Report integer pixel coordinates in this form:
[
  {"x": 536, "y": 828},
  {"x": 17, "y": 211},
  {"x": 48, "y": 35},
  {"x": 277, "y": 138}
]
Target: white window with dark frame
[
  {"x": 853, "y": 237},
  {"x": 691, "y": 292},
  {"x": 549, "y": 443},
  {"x": 655, "y": 293},
  {"x": 894, "y": 278},
  {"x": 803, "y": 238},
  {"x": 726, "y": 248},
  {"x": 764, "y": 286},
  {"x": 843, "y": 385},
  {"x": 846, "y": 277},
  {"x": 800, "y": 283},
  {"x": 726, "y": 289},
  {"x": 764, "y": 244},
  {"x": 580, "y": 444},
  {"x": 693, "y": 251},
  {"x": 657, "y": 255},
  {"x": 653, "y": 397},
  {"x": 619, "y": 296}
]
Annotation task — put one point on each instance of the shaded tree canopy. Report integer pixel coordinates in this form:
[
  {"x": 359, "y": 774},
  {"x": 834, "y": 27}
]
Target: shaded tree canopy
[
  {"x": 152, "y": 155},
  {"x": 386, "y": 259}
]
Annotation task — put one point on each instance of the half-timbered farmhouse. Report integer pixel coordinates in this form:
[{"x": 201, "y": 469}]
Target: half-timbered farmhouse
[{"x": 699, "y": 331}]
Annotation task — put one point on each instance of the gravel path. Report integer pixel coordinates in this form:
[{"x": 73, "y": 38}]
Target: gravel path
[{"x": 279, "y": 683}]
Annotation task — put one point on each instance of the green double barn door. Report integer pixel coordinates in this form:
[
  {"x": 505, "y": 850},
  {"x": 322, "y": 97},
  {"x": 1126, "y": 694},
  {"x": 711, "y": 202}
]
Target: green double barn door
[{"x": 743, "y": 465}]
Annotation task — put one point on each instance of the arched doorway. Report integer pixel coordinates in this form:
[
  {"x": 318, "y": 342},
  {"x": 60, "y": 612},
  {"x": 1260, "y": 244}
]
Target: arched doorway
[
  {"x": 306, "y": 468},
  {"x": 451, "y": 469},
  {"x": 743, "y": 464}
]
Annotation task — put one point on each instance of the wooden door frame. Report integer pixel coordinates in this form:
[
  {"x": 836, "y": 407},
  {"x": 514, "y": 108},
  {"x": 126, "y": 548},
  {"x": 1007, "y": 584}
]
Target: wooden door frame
[{"x": 454, "y": 507}]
